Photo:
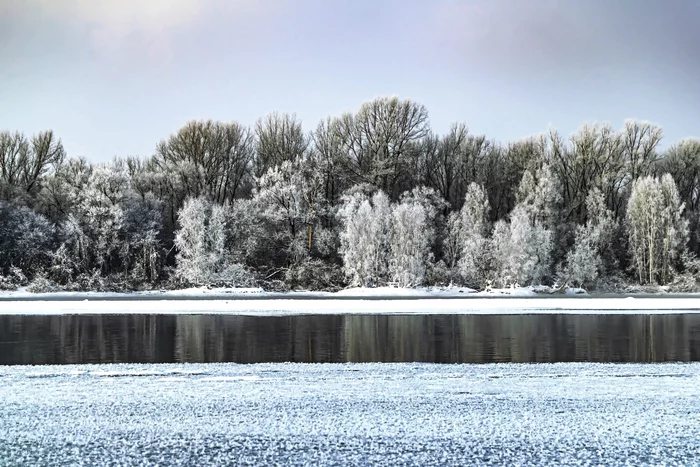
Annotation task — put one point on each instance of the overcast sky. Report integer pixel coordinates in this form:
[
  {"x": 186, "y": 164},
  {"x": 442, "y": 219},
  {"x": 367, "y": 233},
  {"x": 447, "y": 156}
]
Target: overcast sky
[{"x": 113, "y": 77}]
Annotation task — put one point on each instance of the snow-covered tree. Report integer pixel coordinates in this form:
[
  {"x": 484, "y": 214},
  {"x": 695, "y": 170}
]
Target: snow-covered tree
[
  {"x": 525, "y": 252},
  {"x": 592, "y": 255},
  {"x": 93, "y": 229},
  {"x": 583, "y": 262},
  {"x": 657, "y": 230},
  {"x": 141, "y": 252},
  {"x": 540, "y": 197},
  {"x": 531, "y": 248},
  {"x": 202, "y": 256},
  {"x": 291, "y": 199},
  {"x": 365, "y": 238},
  {"x": 500, "y": 250},
  {"x": 675, "y": 228},
  {"x": 452, "y": 245},
  {"x": 247, "y": 239},
  {"x": 194, "y": 263},
  {"x": 26, "y": 239},
  {"x": 472, "y": 231},
  {"x": 411, "y": 238}
]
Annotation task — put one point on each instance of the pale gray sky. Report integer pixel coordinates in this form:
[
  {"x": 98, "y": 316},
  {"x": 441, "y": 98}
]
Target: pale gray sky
[{"x": 113, "y": 77}]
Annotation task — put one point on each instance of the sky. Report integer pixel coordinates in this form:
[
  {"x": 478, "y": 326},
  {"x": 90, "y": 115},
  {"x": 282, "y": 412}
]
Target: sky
[{"x": 112, "y": 78}]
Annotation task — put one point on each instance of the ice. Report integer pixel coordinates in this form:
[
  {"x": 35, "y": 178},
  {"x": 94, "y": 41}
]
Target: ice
[
  {"x": 353, "y": 414},
  {"x": 285, "y": 307}
]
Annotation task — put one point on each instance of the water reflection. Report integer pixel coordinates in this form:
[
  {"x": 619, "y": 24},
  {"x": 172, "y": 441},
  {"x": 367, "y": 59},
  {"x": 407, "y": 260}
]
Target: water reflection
[{"x": 354, "y": 338}]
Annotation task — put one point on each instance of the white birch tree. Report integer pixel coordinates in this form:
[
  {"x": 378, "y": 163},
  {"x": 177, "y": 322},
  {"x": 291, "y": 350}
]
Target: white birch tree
[{"x": 657, "y": 230}]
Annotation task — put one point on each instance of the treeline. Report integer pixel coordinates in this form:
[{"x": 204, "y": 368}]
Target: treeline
[{"x": 367, "y": 198}]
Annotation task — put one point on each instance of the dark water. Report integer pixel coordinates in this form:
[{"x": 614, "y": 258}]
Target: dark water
[{"x": 348, "y": 338}]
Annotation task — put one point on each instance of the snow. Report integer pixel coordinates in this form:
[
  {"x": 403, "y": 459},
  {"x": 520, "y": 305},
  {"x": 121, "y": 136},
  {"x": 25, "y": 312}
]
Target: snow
[
  {"x": 224, "y": 292},
  {"x": 281, "y": 307},
  {"x": 212, "y": 291},
  {"x": 404, "y": 292},
  {"x": 22, "y": 292},
  {"x": 352, "y": 414}
]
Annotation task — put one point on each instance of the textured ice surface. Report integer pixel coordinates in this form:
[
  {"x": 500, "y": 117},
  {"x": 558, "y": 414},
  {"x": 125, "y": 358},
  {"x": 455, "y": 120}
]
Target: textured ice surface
[
  {"x": 281, "y": 307},
  {"x": 351, "y": 414}
]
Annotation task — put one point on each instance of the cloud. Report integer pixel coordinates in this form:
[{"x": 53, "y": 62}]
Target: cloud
[
  {"x": 122, "y": 29},
  {"x": 113, "y": 26},
  {"x": 545, "y": 37}
]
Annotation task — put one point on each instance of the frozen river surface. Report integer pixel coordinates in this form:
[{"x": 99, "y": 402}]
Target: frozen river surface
[{"x": 351, "y": 414}]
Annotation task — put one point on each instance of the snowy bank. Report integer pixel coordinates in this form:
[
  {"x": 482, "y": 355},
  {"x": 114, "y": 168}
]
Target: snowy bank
[
  {"x": 282, "y": 307},
  {"x": 259, "y": 293}
]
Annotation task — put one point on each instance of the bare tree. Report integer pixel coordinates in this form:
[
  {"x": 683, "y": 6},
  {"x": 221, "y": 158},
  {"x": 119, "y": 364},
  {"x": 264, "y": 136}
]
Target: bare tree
[
  {"x": 206, "y": 158},
  {"x": 639, "y": 143},
  {"x": 329, "y": 147},
  {"x": 24, "y": 163},
  {"x": 280, "y": 138},
  {"x": 379, "y": 139},
  {"x": 13, "y": 150}
]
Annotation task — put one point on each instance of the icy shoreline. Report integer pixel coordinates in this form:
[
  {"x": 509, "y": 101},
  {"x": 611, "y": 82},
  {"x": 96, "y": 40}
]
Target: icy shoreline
[{"x": 288, "y": 307}]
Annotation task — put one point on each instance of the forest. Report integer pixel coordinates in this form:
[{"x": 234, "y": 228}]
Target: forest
[{"x": 369, "y": 198}]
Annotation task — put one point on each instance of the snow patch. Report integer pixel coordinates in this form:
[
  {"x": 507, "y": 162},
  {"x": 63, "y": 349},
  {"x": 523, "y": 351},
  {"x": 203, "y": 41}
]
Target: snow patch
[{"x": 404, "y": 292}]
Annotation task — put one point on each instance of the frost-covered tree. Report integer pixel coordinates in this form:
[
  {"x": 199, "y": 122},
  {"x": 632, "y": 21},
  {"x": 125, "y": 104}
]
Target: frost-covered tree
[
  {"x": 675, "y": 228},
  {"x": 540, "y": 196},
  {"x": 102, "y": 214},
  {"x": 452, "y": 245},
  {"x": 592, "y": 254},
  {"x": 531, "y": 248},
  {"x": 26, "y": 239},
  {"x": 583, "y": 262},
  {"x": 657, "y": 230},
  {"x": 411, "y": 237},
  {"x": 202, "y": 255},
  {"x": 64, "y": 188},
  {"x": 500, "y": 251},
  {"x": 682, "y": 161},
  {"x": 553, "y": 201},
  {"x": 141, "y": 252},
  {"x": 365, "y": 238},
  {"x": 247, "y": 240},
  {"x": 290, "y": 197},
  {"x": 434, "y": 207},
  {"x": 93, "y": 229},
  {"x": 194, "y": 261},
  {"x": 472, "y": 230},
  {"x": 525, "y": 257}
]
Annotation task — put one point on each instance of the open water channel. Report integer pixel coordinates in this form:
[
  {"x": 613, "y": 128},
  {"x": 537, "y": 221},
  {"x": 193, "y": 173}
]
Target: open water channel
[{"x": 127, "y": 338}]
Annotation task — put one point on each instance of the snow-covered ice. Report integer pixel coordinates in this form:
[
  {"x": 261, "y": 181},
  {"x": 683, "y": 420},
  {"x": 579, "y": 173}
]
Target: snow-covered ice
[
  {"x": 280, "y": 307},
  {"x": 351, "y": 414}
]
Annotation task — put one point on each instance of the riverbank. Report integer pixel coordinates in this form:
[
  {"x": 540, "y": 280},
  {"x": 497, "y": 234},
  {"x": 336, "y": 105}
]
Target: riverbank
[{"x": 353, "y": 293}]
